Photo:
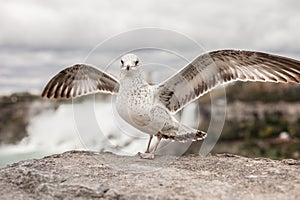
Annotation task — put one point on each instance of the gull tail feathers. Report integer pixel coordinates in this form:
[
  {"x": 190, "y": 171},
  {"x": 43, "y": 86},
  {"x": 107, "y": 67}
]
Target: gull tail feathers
[{"x": 186, "y": 134}]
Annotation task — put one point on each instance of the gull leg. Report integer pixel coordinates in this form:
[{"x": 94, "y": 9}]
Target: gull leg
[
  {"x": 148, "y": 147},
  {"x": 156, "y": 145},
  {"x": 150, "y": 155}
]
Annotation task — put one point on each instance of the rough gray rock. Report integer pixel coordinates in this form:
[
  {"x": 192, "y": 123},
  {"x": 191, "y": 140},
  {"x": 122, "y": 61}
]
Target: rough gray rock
[{"x": 89, "y": 175}]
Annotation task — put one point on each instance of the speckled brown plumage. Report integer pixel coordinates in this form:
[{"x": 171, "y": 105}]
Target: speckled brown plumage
[
  {"x": 223, "y": 66},
  {"x": 78, "y": 80}
]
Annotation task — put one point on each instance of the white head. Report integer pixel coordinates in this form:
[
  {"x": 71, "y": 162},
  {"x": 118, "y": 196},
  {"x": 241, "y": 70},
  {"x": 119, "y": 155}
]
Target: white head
[{"x": 129, "y": 62}]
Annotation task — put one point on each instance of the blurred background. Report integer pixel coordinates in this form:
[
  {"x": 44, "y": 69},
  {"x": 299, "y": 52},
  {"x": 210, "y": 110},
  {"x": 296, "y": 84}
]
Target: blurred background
[{"x": 39, "y": 38}]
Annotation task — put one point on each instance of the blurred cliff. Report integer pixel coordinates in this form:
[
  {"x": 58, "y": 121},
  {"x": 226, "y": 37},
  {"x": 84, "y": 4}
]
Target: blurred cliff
[
  {"x": 262, "y": 119},
  {"x": 15, "y": 113}
]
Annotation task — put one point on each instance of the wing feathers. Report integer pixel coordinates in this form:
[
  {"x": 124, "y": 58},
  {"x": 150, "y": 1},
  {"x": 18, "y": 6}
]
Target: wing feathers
[
  {"x": 213, "y": 68},
  {"x": 79, "y": 80}
]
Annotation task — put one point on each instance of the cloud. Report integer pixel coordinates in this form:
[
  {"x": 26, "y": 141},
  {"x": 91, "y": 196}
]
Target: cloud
[
  {"x": 38, "y": 38},
  {"x": 270, "y": 24}
]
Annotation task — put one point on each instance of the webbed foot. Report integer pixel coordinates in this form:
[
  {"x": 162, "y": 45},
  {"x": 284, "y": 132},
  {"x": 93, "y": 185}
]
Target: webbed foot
[{"x": 146, "y": 155}]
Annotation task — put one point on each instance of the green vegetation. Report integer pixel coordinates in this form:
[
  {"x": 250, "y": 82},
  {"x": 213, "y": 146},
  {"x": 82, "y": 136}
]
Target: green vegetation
[
  {"x": 269, "y": 127},
  {"x": 256, "y": 136},
  {"x": 264, "y": 92},
  {"x": 267, "y": 149}
]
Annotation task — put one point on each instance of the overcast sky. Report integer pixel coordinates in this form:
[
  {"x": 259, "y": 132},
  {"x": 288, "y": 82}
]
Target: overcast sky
[{"x": 38, "y": 38}]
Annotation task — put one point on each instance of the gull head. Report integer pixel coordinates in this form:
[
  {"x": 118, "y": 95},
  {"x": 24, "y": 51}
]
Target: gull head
[{"x": 129, "y": 62}]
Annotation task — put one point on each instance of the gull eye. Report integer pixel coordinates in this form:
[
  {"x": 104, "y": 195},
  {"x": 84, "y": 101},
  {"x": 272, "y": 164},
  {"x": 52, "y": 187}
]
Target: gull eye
[{"x": 136, "y": 62}]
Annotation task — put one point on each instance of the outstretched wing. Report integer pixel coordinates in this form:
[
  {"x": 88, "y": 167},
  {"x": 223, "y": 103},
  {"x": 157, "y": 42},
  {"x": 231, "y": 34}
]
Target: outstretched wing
[
  {"x": 213, "y": 68},
  {"x": 78, "y": 80}
]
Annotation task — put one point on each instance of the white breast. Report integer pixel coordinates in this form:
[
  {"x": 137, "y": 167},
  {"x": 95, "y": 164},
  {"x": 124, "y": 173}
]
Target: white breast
[{"x": 134, "y": 101}]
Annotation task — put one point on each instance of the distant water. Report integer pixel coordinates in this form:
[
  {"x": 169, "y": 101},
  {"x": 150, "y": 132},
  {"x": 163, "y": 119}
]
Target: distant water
[
  {"x": 84, "y": 126},
  {"x": 56, "y": 131}
]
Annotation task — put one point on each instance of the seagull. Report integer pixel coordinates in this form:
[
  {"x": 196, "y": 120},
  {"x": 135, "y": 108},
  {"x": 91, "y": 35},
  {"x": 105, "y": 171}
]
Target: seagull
[{"x": 151, "y": 108}]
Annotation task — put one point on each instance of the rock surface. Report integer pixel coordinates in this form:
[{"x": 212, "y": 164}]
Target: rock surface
[{"x": 89, "y": 175}]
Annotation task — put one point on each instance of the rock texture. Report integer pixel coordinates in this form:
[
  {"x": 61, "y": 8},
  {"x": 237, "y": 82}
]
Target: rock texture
[{"x": 89, "y": 175}]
